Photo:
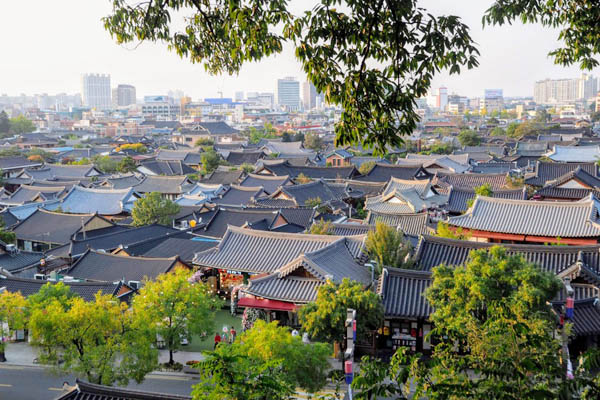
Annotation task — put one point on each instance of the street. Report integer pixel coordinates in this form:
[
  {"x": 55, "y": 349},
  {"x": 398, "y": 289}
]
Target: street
[{"x": 37, "y": 383}]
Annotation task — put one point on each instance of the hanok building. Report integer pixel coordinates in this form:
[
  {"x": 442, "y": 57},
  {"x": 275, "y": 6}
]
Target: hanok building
[
  {"x": 169, "y": 187},
  {"x": 116, "y": 203},
  {"x": 403, "y": 196},
  {"x": 459, "y": 198},
  {"x": 44, "y": 230},
  {"x": 168, "y": 168},
  {"x": 245, "y": 253},
  {"x": 572, "y": 186},
  {"x": 88, "y": 391},
  {"x": 269, "y": 183},
  {"x": 32, "y": 194},
  {"x": 330, "y": 194},
  {"x": 443, "y": 181},
  {"x": 13, "y": 165},
  {"x": 546, "y": 172},
  {"x": 284, "y": 168},
  {"x": 521, "y": 221},
  {"x": 384, "y": 172}
]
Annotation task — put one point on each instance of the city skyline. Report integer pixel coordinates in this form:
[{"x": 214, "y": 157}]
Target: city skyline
[{"x": 74, "y": 46}]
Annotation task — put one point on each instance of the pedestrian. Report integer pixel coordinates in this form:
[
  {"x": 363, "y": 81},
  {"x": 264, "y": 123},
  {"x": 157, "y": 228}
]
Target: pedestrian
[
  {"x": 224, "y": 337},
  {"x": 294, "y": 332},
  {"x": 217, "y": 339},
  {"x": 232, "y": 334},
  {"x": 305, "y": 338}
]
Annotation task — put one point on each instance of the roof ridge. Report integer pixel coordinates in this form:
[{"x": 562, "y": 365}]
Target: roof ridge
[
  {"x": 133, "y": 257},
  {"x": 283, "y": 235}
]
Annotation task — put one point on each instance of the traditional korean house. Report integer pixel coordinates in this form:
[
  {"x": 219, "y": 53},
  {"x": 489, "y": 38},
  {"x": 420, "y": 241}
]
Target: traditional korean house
[
  {"x": 522, "y": 221},
  {"x": 403, "y": 196},
  {"x": 545, "y": 172},
  {"x": 236, "y": 195},
  {"x": 32, "y": 194},
  {"x": 442, "y": 181},
  {"x": 88, "y": 391},
  {"x": 168, "y": 186},
  {"x": 270, "y": 184},
  {"x": 220, "y": 177},
  {"x": 332, "y": 194},
  {"x": 458, "y": 198},
  {"x": 44, "y": 230},
  {"x": 285, "y": 168},
  {"x": 575, "y": 154},
  {"x": 59, "y": 171},
  {"x": 113, "y": 203},
  {"x": 572, "y": 186},
  {"x": 384, "y": 172},
  {"x": 168, "y": 168}
]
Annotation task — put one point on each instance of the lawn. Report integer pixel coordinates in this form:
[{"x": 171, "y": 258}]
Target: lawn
[{"x": 222, "y": 318}]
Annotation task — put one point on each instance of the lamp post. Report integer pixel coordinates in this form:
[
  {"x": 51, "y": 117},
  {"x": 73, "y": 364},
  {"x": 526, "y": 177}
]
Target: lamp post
[{"x": 349, "y": 354}]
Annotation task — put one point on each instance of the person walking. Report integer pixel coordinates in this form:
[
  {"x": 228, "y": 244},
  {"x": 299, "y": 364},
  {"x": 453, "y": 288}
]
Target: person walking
[
  {"x": 232, "y": 335},
  {"x": 217, "y": 339}
]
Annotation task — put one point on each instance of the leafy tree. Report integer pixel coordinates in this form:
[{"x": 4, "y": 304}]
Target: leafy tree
[
  {"x": 444, "y": 230},
  {"x": 175, "y": 309},
  {"x": 511, "y": 128},
  {"x": 83, "y": 161},
  {"x": 321, "y": 227},
  {"x": 106, "y": 164},
  {"x": 256, "y": 135},
  {"x": 204, "y": 142},
  {"x": 127, "y": 164},
  {"x": 210, "y": 161},
  {"x": 4, "y": 122},
  {"x": 497, "y": 131},
  {"x": 313, "y": 202},
  {"x": 98, "y": 340},
  {"x": 324, "y": 319},
  {"x": 541, "y": 116},
  {"x": 45, "y": 155},
  {"x": 595, "y": 116},
  {"x": 468, "y": 137},
  {"x": 137, "y": 147},
  {"x": 302, "y": 179},
  {"x": 229, "y": 374},
  {"x": 439, "y": 148},
  {"x": 11, "y": 151},
  {"x": 13, "y": 314},
  {"x": 313, "y": 141},
  {"x": 354, "y": 54},
  {"x": 305, "y": 364},
  {"x": 21, "y": 125},
  {"x": 247, "y": 168},
  {"x": 527, "y": 128},
  {"x": 483, "y": 190},
  {"x": 388, "y": 246},
  {"x": 366, "y": 167},
  {"x": 153, "y": 209}
]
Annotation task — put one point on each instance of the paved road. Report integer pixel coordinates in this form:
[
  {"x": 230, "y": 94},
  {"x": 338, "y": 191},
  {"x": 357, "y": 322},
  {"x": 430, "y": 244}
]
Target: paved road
[{"x": 36, "y": 383}]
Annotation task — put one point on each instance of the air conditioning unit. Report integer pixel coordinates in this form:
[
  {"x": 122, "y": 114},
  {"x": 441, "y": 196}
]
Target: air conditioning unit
[
  {"x": 11, "y": 248},
  {"x": 39, "y": 277},
  {"x": 134, "y": 284},
  {"x": 185, "y": 224}
]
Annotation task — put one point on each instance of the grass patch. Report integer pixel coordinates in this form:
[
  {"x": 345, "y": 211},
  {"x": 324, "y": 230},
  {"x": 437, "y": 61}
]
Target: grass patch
[{"x": 222, "y": 318}]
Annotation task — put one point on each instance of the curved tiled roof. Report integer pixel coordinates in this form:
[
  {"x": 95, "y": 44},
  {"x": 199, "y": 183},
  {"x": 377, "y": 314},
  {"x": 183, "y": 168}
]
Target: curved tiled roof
[
  {"x": 384, "y": 172},
  {"x": 82, "y": 200},
  {"x": 292, "y": 289},
  {"x": 549, "y": 171},
  {"x": 269, "y": 183},
  {"x": 539, "y": 218},
  {"x": 409, "y": 224},
  {"x": 459, "y": 197},
  {"x": 402, "y": 293},
  {"x": 261, "y": 251},
  {"x": 496, "y": 181}
]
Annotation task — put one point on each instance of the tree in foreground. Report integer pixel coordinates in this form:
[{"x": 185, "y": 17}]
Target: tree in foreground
[
  {"x": 13, "y": 314},
  {"x": 498, "y": 307},
  {"x": 100, "y": 341},
  {"x": 305, "y": 363},
  {"x": 153, "y": 209},
  {"x": 388, "y": 247},
  {"x": 175, "y": 309},
  {"x": 324, "y": 319}
]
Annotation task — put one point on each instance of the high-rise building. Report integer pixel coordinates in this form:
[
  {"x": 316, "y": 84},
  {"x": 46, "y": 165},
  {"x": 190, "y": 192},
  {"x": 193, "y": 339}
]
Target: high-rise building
[
  {"x": 239, "y": 96},
  {"x": 493, "y": 100},
  {"x": 556, "y": 91},
  {"x": 123, "y": 95},
  {"x": 309, "y": 95},
  {"x": 288, "y": 94},
  {"x": 442, "y": 98},
  {"x": 95, "y": 91}
]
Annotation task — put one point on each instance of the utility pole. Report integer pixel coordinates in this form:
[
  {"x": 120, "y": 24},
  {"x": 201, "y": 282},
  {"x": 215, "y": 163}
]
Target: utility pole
[
  {"x": 566, "y": 316},
  {"x": 349, "y": 354}
]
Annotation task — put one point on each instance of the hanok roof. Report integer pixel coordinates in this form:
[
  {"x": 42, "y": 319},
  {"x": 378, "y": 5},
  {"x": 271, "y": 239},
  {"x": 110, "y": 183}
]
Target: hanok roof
[
  {"x": 300, "y": 194},
  {"x": 437, "y": 162},
  {"x": 17, "y": 162},
  {"x": 187, "y": 156},
  {"x": 87, "y": 290},
  {"x": 223, "y": 177},
  {"x": 239, "y": 195},
  {"x": 97, "y": 266},
  {"x": 575, "y": 153},
  {"x": 459, "y": 197},
  {"x": 549, "y": 171},
  {"x": 169, "y": 168},
  {"x": 348, "y": 229},
  {"x": 82, "y": 200},
  {"x": 285, "y": 168},
  {"x": 288, "y": 149},
  {"x": 433, "y": 251},
  {"x": 113, "y": 239},
  {"x": 52, "y": 227},
  {"x": 494, "y": 167},
  {"x": 496, "y": 181},
  {"x": 333, "y": 262},
  {"x": 120, "y": 181},
  {"x": 422, "y": 187},
  {"x": 88, "y": 391},
  {"x": 217, "y": 128},
  {"x": 184, "y": 248},
  {"x": 244, "y": 157},
  {"x": 217, "y": 225},
  {"x": 164, "y": 184},
  {"x": 409, "y": 224},
  {"x": 53, "y": 171},
  {"x": 576, "y": 185},
  {"x": 402, "y": 293},
  {"x": 384, "y": 172},
  {"x": 269, "y": 183},
  {"x": 15, "y": 261},
  {"x": 27, "y": 194},
  {"x": 254, "y": 251},
  {"x": 367, "y": 188},
  {"x": 536, "y": 218},
  {"x": 405, "y": 197}
]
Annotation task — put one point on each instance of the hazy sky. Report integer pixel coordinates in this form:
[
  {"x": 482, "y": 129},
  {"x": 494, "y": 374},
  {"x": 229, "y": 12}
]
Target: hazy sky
[{"x": 47, "y": 45}]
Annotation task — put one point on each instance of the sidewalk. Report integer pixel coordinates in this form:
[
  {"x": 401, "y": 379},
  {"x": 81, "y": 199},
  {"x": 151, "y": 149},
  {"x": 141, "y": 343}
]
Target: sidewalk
[{"x": 21, "y": 353}]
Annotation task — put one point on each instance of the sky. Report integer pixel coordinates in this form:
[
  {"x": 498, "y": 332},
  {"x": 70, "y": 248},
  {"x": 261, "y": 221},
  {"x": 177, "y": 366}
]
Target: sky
[{"x": 47, "y": 45}]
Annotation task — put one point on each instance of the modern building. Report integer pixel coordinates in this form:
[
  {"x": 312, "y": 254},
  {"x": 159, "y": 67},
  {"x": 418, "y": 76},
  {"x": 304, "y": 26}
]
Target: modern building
[
  {"x": 123, "y": 95},
  {"x": 309, "y": 95},
  {"x": 160, "y": 106},
  {"x": 239, "y": 96},
  {"x": 288, "y": 93},
  {"x": 493, "y": 100},
  {"x": 95, "y": 91},
  {"x": 442, "y": 98},
  {"x": 556, "y": 91}
]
